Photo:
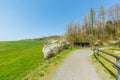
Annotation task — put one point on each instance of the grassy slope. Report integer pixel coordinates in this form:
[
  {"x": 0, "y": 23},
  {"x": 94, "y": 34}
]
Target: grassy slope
[
  {"x": 18, "y": 58},
  {"x": 48, "y": 68},
  {"x": 107, "y": 69}
]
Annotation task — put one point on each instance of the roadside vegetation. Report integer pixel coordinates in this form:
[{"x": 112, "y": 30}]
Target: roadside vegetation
[
  {"x": 105, "y": 69},
  {"x": 46, "y": 70}
]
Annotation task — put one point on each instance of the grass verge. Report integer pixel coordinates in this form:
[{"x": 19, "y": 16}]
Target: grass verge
[
  {"x": 46, "y": 70},
  {"x": 105, "y": 69}
]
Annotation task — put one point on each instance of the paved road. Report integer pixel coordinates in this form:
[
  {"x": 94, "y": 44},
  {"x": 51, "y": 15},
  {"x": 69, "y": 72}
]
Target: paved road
[{"x": 77, "y": 66}]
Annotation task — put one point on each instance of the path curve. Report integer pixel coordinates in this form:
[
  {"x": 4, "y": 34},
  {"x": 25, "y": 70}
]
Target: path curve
[{"x": 77, "y": 66}]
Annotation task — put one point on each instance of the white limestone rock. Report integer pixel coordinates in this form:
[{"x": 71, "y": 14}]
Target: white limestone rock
[{"x": 53, "y": 47}]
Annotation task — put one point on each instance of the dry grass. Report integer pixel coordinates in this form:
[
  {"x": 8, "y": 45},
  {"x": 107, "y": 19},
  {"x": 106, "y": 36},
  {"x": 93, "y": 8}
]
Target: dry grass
[{"x": 105, "y": 69}]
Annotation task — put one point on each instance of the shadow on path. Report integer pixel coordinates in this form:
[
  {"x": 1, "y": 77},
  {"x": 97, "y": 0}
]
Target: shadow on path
[{"x": 111, "y": 73}]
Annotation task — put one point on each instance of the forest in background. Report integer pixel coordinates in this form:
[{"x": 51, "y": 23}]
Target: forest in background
[{"x": 102, "y": 25}]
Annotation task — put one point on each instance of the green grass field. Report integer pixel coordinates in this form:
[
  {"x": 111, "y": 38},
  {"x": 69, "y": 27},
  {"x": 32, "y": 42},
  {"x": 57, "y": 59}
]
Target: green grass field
[
  {"x": 19, "y": 58},
  {"x": 23, "y": 60}
]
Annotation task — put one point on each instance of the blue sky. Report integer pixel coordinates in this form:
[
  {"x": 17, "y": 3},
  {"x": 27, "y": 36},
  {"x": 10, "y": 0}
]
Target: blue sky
[{"x": 23, "y": 19}]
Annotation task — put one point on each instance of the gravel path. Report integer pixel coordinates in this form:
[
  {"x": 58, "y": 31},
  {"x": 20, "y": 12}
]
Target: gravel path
[{"x": 77, "y": 67}]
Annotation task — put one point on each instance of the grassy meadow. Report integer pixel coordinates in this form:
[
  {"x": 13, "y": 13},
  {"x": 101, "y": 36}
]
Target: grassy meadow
[
  {"x": 23, "y": 60},
  {"x": 18, "y": 58}
]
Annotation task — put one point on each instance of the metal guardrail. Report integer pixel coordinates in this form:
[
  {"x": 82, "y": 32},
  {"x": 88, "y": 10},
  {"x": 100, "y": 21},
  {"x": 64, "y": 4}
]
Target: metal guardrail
[{"x": 117, "y": 64}]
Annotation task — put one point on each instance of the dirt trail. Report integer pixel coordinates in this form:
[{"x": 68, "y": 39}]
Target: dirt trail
[{"x": 77, "y": 66}]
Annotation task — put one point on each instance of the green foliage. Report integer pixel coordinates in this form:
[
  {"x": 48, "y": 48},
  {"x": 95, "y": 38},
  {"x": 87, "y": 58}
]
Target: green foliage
[
  {"x": 114, "y": 48},
  {"x": 18, "y": 58},
  {"x": 47, "y": 69},
  {"x": 92, "y": 17}
]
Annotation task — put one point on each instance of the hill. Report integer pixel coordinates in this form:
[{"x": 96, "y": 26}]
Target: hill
[{"x": 47, "y": 38}]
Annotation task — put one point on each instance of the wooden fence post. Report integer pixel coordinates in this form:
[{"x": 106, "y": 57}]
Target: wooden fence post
[
  {"x": 118, "y": 63},
  {"x": 98, "y": 55}
]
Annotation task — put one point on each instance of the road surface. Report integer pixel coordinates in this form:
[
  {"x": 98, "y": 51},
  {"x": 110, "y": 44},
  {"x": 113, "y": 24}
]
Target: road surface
[{"x": 77, "y": 66}]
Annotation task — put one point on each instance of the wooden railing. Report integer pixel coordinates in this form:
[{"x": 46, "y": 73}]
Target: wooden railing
[{"x": 116, "y": 65}]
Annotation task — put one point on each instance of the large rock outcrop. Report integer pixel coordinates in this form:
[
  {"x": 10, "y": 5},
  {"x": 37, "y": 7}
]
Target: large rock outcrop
[{"x": 53, "y": 47}]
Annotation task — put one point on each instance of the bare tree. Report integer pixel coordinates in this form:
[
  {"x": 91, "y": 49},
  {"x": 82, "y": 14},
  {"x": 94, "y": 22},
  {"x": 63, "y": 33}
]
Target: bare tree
[
  {"x": 102, "y": 13},
  {"x": 73, "y": 32},
  {"x": 114, "y": 15},
  {"x": 93, "y": 29},
  {"x": 86, "y": 27},
  {"x": 92, "y": 21}
]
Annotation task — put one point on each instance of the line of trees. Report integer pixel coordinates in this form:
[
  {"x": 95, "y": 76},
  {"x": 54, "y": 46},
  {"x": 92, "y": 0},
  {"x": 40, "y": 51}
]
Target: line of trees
[{"x": 102, "y": 26}]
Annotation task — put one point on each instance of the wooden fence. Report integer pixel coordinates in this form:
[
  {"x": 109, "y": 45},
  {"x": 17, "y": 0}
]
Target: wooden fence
[{"x": 116, "y": 65}]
